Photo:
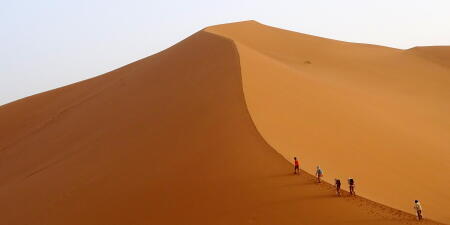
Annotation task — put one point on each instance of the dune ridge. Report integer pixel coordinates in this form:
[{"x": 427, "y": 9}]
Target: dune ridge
[
  {"x": 437, "y": 54},
  {"x": 167, "y": 139}
]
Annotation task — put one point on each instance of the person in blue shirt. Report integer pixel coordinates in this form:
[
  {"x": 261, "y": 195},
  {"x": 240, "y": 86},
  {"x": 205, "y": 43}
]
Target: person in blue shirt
[{"x": 319, "y": 174}]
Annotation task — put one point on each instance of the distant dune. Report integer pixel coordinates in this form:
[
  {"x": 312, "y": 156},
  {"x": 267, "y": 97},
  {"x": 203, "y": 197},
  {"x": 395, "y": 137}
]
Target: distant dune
[
  {"x": 200, "y": 134},
  {"x": 437, "y": 54}
]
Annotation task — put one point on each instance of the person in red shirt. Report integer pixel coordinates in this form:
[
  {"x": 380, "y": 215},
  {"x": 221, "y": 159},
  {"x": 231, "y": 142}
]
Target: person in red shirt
[{"x": 296, "y": 166}]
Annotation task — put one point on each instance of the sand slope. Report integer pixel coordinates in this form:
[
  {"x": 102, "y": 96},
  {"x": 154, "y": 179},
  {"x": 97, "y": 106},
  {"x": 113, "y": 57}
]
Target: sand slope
[
  {"x": 165, "y": 140},
  {"x": 377, "y": 114},
  {"x": 437, "y": 54}
]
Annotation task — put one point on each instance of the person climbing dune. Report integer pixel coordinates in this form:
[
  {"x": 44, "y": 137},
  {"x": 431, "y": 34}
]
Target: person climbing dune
[
  {"x": 319, "y": 174},
  {"x": 296, "y": 166},
  {"x": 351, "y": 184},
  {"x": 418, "y": 209},
  {"x": 337, "y": 183}
]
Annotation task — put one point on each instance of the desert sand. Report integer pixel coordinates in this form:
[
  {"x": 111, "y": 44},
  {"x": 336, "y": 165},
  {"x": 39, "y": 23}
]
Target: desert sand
[
  {"x": 377, "y": 114},
  {"x": 200, "y": 134}
]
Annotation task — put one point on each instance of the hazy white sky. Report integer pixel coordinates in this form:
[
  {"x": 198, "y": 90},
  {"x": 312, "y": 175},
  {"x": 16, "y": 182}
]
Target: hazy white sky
[{"x": 49, "y": 43}]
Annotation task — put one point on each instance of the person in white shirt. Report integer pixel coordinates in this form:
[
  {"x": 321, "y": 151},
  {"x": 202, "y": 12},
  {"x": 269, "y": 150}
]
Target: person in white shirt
[{"x": 418, "y": 209}]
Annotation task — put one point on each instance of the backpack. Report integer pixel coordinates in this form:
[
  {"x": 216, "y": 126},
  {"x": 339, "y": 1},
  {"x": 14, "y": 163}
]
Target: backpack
[
  {"x": 350, "y": 181},
  {"x": 320, "y": 172}
]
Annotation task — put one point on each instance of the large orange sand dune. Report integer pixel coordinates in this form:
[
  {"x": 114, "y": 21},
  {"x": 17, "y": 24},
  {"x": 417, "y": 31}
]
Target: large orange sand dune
[
  {"x": 377, "y": 114},
  {"x": 196, "y": 135}
]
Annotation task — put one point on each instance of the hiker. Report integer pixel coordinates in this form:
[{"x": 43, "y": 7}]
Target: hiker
[
  {"x": 337, "y": 182},
  {"x": 319, "y": 174},
  {"x": 418, "y": 209},
  {"x": 296, "y": 166},
  {"x": 351, "y": 184}
]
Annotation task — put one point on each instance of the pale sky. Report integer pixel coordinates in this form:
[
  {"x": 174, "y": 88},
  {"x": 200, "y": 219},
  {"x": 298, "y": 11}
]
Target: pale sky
[{"x": 45, "y": 44}]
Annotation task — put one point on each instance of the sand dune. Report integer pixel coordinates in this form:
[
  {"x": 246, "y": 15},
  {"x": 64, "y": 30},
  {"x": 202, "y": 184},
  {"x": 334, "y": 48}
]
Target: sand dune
[
  {"x": 377, "y": 114},
  {"x": 196, "y": 134},
  {"x": 437, "y": 54}
]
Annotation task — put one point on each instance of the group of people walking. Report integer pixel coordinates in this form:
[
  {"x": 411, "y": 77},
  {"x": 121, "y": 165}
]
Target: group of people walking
[
  {"x": 319, "y": 175},
  {"x": 351, "y": 184}
]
